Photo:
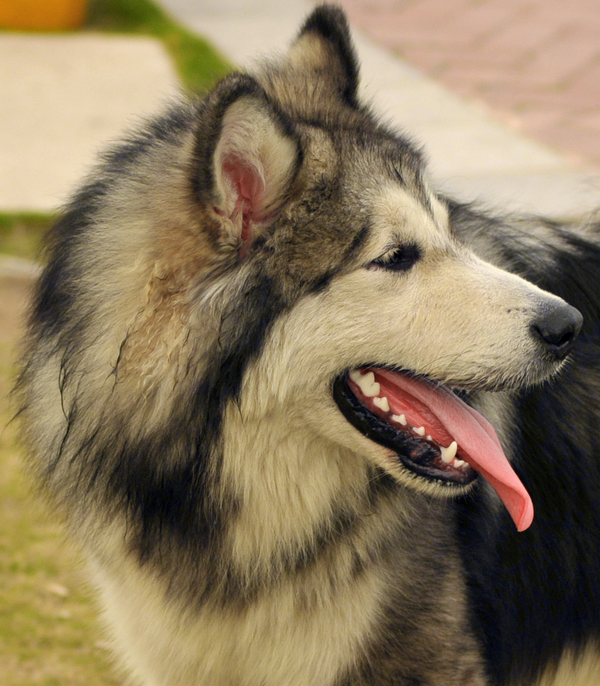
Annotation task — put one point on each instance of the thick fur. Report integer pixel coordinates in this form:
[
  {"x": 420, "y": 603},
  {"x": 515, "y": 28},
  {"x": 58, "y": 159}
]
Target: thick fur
[{"x": 204, "y": 289}]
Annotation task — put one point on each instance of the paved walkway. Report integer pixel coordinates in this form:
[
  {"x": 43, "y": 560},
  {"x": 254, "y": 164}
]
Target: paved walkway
[
  {"x": 62, "y": 98},
  {"x": 535, "y": 62}
]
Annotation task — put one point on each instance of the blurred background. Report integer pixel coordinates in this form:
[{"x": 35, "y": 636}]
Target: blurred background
[{"x": 503, "y": 95}]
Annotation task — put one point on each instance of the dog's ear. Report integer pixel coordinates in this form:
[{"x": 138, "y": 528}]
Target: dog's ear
[
  {"x": 246, "y": 158},
  {"x": 324, "y": 46}
]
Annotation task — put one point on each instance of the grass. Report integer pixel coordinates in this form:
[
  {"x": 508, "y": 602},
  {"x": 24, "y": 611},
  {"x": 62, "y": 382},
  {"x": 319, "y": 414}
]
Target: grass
[
  {"x": 49, "y": 631},
  {"x": 21, "y": 232},
  {"x": 198, "y": 64}
]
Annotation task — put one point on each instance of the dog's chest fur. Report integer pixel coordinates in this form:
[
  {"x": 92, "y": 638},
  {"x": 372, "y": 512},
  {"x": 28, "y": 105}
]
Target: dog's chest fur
[{"x": 313, "y": 612}]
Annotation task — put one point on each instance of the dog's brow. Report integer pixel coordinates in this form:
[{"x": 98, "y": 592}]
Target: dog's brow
[{"x": 358, "y": 241}]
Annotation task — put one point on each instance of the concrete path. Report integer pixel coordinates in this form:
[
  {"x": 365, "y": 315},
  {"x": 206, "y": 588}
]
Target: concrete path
[{"x": 62, "y": 98}]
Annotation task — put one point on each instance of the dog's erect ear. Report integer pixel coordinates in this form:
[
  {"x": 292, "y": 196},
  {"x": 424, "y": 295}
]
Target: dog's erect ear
[
  {"x": 324, "y": 45},
  {"x": 246, "y": 158}
]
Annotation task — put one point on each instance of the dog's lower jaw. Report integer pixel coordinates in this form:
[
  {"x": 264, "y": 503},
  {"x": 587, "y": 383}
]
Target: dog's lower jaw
[
  {"x": 413, "y": 446},
  {"x": 369, "y": 399}
]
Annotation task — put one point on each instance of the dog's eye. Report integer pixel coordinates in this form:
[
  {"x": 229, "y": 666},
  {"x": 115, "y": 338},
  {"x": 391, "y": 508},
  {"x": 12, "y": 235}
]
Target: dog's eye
[{"x": 400, "y": 259}]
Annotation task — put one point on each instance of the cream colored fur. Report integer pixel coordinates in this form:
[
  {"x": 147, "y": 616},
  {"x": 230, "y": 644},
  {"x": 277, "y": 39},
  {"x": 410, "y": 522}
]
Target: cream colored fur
[{"x": 581, "y": 670}]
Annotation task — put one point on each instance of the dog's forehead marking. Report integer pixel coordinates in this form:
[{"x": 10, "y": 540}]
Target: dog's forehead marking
[{"x": 399, "y": 214}]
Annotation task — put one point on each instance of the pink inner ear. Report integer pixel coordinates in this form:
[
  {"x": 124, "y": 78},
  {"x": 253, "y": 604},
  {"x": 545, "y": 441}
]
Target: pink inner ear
[{"x": 249, "y": 188}]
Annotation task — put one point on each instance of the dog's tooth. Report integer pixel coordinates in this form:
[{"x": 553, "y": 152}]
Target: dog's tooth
[
  {"x": 368, "y": 385},
  {"x": 459, "y": 463},
  {"x": 382, "y": 403},
  {"x": 429, "y": 438},
  {"x": 401, "y": 419},
  {"x": 420, "y": 430},
  {"x": 366, "y": 382},
  {"x": 449, "y": 453}
]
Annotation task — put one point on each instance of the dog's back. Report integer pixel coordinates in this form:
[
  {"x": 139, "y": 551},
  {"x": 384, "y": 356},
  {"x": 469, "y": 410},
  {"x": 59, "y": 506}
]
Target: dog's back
[{"x": 536, "y": 594}]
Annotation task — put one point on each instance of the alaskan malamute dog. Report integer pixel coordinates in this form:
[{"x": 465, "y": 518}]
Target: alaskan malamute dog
[{"x": 251, "y": 375}]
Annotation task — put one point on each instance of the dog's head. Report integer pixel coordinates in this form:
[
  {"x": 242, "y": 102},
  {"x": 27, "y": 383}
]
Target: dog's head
[
  {"x": 276, "y": 253},
  {"x": 329, "y": 221}
]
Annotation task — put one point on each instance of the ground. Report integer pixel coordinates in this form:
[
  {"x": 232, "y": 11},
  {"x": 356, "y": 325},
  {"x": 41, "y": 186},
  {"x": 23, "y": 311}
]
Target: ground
[{"x": 49, "y": 632}]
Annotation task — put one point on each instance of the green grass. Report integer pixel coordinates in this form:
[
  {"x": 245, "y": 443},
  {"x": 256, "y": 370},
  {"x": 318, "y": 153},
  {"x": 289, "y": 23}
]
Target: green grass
[
  {"x": 20, "y": 233},
  {"x": 198, "y": 64}
]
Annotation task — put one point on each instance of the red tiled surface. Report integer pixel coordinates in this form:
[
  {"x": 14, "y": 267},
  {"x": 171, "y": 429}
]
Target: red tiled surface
[{"x": 534, "y": 62}]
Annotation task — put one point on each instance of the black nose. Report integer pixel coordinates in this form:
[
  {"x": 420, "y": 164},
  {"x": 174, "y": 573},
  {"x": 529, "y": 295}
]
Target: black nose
[{"x": 557, "y": 325}]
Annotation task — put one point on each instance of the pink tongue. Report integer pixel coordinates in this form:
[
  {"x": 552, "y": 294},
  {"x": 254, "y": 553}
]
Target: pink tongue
[{"x": 475, "y": 436}]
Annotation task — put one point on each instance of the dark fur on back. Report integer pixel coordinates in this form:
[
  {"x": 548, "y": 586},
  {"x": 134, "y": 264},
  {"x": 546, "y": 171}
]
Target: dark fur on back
[{"x": 556, "y": 452}]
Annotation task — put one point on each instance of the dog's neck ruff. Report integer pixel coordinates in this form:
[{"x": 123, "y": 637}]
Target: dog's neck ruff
[{"x": 463, "y": 437}]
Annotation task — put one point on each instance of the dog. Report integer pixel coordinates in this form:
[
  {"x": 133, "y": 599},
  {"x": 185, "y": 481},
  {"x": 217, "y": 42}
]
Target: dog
[{"x": 311, "y": 422}]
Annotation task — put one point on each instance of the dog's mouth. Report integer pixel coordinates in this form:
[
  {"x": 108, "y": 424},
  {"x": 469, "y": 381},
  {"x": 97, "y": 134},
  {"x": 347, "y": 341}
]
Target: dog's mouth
[{"x": 432, "y": 431}]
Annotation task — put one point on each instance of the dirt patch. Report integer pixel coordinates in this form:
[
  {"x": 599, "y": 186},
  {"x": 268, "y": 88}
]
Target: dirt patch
[{"x": 15, "y": 292}]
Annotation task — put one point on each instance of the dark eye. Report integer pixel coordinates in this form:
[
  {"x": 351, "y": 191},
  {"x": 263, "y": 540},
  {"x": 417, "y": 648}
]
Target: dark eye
[{"x": 398, "y": 259}]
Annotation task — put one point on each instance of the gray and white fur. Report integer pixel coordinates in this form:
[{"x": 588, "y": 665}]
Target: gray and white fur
[{"x": 208, "y": 285}]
